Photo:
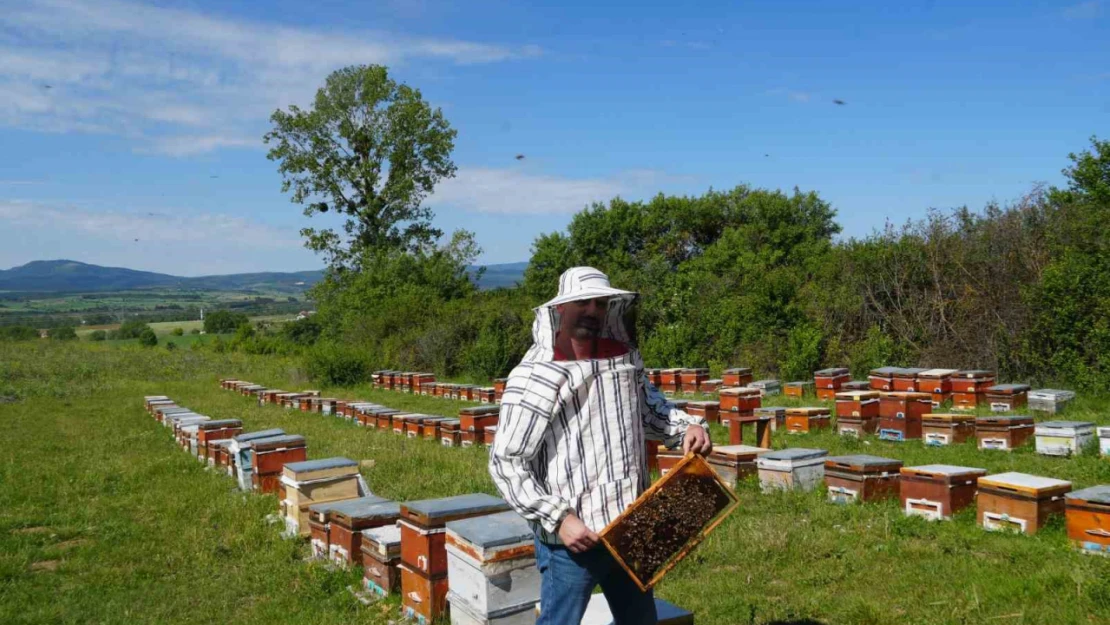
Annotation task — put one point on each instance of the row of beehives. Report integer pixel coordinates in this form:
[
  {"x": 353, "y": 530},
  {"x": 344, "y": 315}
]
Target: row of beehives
[
  {"x": 436, "y": 553},
  {"x": 425, "y": 384},
  {"x": 1016, "y": 501}
]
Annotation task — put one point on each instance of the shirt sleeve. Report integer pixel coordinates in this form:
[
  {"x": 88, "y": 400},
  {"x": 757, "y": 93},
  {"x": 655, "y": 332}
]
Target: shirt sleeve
[
  {"x": 663, "y": 421},
  {"x": 520, "y": 434}
]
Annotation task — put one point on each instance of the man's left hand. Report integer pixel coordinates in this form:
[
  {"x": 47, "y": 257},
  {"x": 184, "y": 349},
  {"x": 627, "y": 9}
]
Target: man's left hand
[{"x": 696, "y": 440}]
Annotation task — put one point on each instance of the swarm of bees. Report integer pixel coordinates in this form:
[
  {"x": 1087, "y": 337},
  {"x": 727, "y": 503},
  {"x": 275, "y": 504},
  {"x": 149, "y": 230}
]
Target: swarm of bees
[{"x": 654, "y": 532}]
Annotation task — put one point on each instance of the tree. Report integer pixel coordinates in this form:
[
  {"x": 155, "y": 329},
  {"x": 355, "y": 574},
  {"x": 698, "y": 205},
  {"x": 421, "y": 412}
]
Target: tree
[
  {"x": 98, "y": 335},
  {"x": 147, "y": 338},
  {"x": 224, "y": 321},
  {"x": 178, "y": 332},
  {"x": 64, "y": 333},
  {"x": 18, "y": 333},
  {"x": 369, "y": 149}
]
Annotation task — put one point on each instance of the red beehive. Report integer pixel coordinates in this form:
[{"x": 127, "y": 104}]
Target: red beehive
[
  {"x": 654, "y": 376},
  {"x": 861, "y": 477},
  {"x": 1088, "y": 519},
  {"x": 1007, "y": 397},
  {"x": 975, "y": 381},
  {"x": 1018, "y": 501},
  {"x": 862, "y": 404},
  {"x": 940, "y": 429},
  {"x": 671, "y": 381},
  {"x": 742, "y": 400},
  {"x": 937, "y": 382},
  {"x": 708, "y": 410},
  {"x": 690, "y": 379},
  {"x": 900, "y": 414},
  {"x": 499, "y": 389},
  {"x": 937, "y": 491},
  {"x": 806, "y": 419},
  {"x": 797, "y": 389},
  {"x": 905, "y": 380},
  {"x": 474, "y": 420},
  {"x": 737, "y": 376},
  {"x": 831, "y": 379},
  {"x": 882, "y": 378}
]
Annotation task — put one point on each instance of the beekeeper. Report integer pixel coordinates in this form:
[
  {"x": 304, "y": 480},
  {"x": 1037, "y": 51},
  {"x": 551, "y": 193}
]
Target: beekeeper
[{"x": 569, "y": 455}]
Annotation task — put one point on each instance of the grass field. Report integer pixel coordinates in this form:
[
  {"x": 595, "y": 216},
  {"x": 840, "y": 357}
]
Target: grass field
[{"x": 104, "y": 519}]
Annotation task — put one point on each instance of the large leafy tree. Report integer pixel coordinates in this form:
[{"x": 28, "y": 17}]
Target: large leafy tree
[{"x": 371, "y": 150}]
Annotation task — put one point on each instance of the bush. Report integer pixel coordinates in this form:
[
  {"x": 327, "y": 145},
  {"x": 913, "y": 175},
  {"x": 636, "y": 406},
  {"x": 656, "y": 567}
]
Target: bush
[
  {"x": 131, "y": 329},
  {"x": 170, "y": 346},
  {"x": 194, "y": 331},
  {"x": 178, "y": 332},
  {"x": 147, "y": 338},
  {"x": 18, "y": 333},
  {"x": 224, "y": 321},
  {"x": 64, "y": 333},
  {"x": 336, "y": 364},
  {"x": 804, "y": 350},
  {"x": 98, "y": 335}
]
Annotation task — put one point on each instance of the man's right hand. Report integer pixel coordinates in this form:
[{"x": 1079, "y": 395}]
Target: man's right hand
[{"x": 575, "y": 535}]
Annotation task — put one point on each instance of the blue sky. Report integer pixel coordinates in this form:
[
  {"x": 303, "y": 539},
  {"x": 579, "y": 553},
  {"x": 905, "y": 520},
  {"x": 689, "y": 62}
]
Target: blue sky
[{"x": 130, "y": 132}]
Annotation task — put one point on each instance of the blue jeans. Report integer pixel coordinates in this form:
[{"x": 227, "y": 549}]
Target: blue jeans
[{"x": 570, "y": 578}]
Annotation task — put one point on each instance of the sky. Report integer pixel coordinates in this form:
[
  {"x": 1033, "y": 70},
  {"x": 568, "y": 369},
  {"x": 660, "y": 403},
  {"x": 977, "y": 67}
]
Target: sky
[{"x": 130, "y": 132}]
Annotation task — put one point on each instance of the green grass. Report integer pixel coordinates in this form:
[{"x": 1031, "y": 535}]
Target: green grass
[{"x": 141, "y": 533}]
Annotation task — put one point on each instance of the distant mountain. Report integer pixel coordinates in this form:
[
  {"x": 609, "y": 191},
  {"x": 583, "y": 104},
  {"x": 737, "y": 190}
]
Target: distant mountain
[{"x": 49, "y": 276}]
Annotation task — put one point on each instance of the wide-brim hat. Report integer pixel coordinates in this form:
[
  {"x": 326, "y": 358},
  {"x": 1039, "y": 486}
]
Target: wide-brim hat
[{"x": 579, "y": 283}]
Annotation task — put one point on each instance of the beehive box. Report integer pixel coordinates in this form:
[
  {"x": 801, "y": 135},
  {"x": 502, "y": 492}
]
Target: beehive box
[
  {"x": 735, "y": 462},
  {"x": 708, "y": 410},
  {"x": 975, "y": 381},
  {"x": 671, "y": 381},
  {"x": 400, "y": 422},
  {"x": 1049, "y": 400},
  {"x": 1104, "y": 441},
  {"x": 423, "y": 598},
  {"x": 831, "y": 379},
  {"x": 936, "y": 382},
  {"x": 1007, "y": 397},
  {"x": 1063, "y": 438},
  {"x": 475, "y": 419},
  {"x": 947, "y": 428},
  {"x": 857, "y": 427},
  {"x": 776, "y": 414},
  {"x": 315, "y": 481},
  {"x": 383, "y": 418},
  {"x": 690, "y": 379},
  {"x": 486, "y": 395},
  {"x": 739, "y": 400},
  {"x": 214, "y": 430},
  {"x": 900, "y": 414},
  {"x": 859, "y": 404},
  {"x": 806, "y": 419},
  {"x": 489, "y": 434},
  {"x": 319, "y": 540},
  {"x": 711, "y": 386},
  {"x": 856, "y": 385},
  {"x": 491, "y": 566},
  {"x": 654, "y": 376},
  {"x": 1019, "y": 501},
  {"x": 268, "y": 458},
  {"x": 217, "y": 454},
  {"x": 414, "y": 425},
  {"x": 767, "y": 387},
  {"x": 1003, "y": 432},
  {"x": 1088, "y": 519},
  {"x": 148, "y": 399},
  {"x": 937, "y": 491},
  {"x": 882, "y": 378},
  {"x": 449, "y": 433},
  {"x": 736, "y": 376},
  {"x": 430, "y": 428},
  {"x": 240, "y": 452},
  {"x": 499, "y": 389},
  {"x": 347, "y": 520},
  {"x": 861, "y": 477},
  {"x": 270, "y": 396},
  {"x": 904, "y": 380},
  {"x": 789, "y": 469},
  {"x": 665, "y": 523},
  {"x": 423, "y": 528},
  {"x": 381, "y": 555},
  {"x": 667, "y": 458},
  {"x": 598, "y": 613},
  {"x": 798, "y": 389}
]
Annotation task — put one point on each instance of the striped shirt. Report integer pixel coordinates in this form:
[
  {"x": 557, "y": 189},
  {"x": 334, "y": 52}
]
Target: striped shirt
[{"x": 571, "y": 435}]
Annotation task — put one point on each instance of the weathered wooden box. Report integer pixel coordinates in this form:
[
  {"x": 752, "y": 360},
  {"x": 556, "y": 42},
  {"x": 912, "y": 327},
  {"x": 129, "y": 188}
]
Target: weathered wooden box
[
  {"x": 937, "y": 491},
  {"x": 1003, "y": 432},
  {"x": 735, "y": 462},
  {"x": 1063, "y": 438},
  {"x": 423, "y": 597},
  {"x": 499, "y": 389},
  {"x": 736, "y": 376},
  {"x": 776, "y": 415},
  {"x": 690, "y": 380},
  {"x": 667, "y": 458},
  {"x": 882, "y": 378},
  {"x": 214, "y": 430},
  {"x": 861, "y": 477},
  {"x": 474, "y": 420},
  {"x": 666, "y": 522},
  {"x": 900, "y": 414},
  {"x": 491, "y": 566},
  {"x": 381, "y": 555},
  {"x": 1088, "y": 519},
  {"x": 947, "y": 428},
  {"x": 904, "y": 379},
  {"x": 767, "y": 387},
  {"x": 711, "y": 386},
  {"x": 423, "y": 528},
  {"x": 807, "y": 419},
  {"x": 1049, "y": 400},
  {"x": 791, "y": 469},
  {"x": 831, "y": 379},
  {"x": 936, "y": 382},
  {"x": 269, "y": 456},
  {"x": 798, "y": 389},
  {"x": 975, "y": 381},
  {"x": 738, "y": 400},
  {"x": 1019, "y": 501},
  {"x": 672, "y": 382},
  {"x": 430, "y": 428},
  {"x": 859, "y": 404},
  {"x": 856, "y": 426},
  {"x": 240, "y": 451},
  {"x": 399, "y": 423},
  {"x": 708, "y": 410},
  {"x": 449, "y": 433},
  {"x": 763, "y": 425},
  {"x": 315, "y": 481},
  {"x": 347, "y": 520},
  {"x": 1007, "y": 397}
]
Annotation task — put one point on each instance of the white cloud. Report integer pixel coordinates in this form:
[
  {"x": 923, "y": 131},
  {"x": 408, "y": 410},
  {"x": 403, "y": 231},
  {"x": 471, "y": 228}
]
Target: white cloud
[
  {"x": 158, "y": 75},
  {"x": 511, "y": 191}
]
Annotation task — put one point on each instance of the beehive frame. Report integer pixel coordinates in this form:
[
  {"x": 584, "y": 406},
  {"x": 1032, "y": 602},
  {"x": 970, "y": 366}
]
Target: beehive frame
[{"x": 694, "y": 464}]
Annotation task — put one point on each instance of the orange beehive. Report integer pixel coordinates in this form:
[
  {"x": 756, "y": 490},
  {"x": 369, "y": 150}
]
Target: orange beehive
[
  {"x": 806, "y": 419},
  {"x": 1018, "y": 501},
  {"x": 900, "y": 414},
  {"x": 1088, "y": 513},
  {"x": 690, "y": 380},
  {"x": 741, "y": 400},
  {"x": 737, "y": 376},
  {"x": 905, "y": 380},
  {"x": 708, "y": 410}
]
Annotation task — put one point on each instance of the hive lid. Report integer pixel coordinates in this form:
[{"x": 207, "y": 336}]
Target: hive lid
[
  {"x": 371, "y": 508},
  {"x": 1023, "y": 482},
  {"x": 974, "y": 373},
  {"x": 831, "y": 372},
  {"x": 800, "y": 383},
  {"x": 446, "y": 422},
  {"x": 1094, "y": 494},
  {"x": 738, "y": 370},
  {"x": 442, "y": 510},
  {"x": 495, "y": 530},
  {"x": 480, "y": 410},
  {"x": 739, "y": 391},
  {"x": 1065, "y": 424},
  {"x": 1004, "y": 418},
  {"x": 695, "y": 370},
  {"x": 432, "y": 419},
  {"x": 795, "y": 453},
  {"x": 253, "y": 436},
  {"x": 862, "y": 461},
  {"x": 937, "y": 373},
  {"x": 808, "y": 411},
  {"x": 909, "y": 372},
  {"x": 1008, "y": 388},
  {"x": 278, "y": 441},
  {"x": 735, "y": 452},
  {"x": 950, "y": 417},
  {"x": 320, "y": 465},
  {"x": 856, "y": 385},
  {"x": 857, "y": 395},
  {"x": 388, "y": 536},
  {"x": 769, "y": 383},
  {"x": 772, "y": 410},
  {"x": 155, "y": 397},
  {"x": 947, "y": 470},
  {"x": 886, "y": 372},
  {"x": 703, "y": 404},
  {"x": 906, "y": 395},
  {"x": 1051, "y": 394},
  {"x": 217, "y": 424}
]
